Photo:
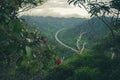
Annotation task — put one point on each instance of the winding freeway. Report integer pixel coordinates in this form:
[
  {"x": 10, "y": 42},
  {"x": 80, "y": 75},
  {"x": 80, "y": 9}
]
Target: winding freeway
[{"x": 57, "y": 39}]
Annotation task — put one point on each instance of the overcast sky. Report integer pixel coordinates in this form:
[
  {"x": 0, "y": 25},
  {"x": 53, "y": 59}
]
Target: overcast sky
[{"x": 57, "y": 8}]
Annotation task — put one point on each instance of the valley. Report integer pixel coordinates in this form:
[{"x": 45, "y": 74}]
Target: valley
[
  {"x": 94, "y": 28},
  {"x": 73, "y": 27}
]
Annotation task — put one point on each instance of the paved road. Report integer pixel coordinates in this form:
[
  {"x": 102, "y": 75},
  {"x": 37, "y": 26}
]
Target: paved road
[{"x": 58, "y": 40}]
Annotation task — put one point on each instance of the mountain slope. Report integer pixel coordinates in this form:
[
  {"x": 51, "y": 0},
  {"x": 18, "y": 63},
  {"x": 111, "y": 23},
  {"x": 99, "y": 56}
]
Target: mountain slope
[
  {"x": 49, "y": 25},
  {"x": 94, "y": 29}
]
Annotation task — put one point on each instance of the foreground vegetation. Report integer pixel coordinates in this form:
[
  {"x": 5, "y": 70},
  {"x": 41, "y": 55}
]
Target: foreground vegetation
[
  {"x": 96, "y": 63},
  {"x": 24, "y": 52}
]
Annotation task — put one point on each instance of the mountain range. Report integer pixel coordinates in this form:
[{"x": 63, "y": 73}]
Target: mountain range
[{"x": 94, "y": 28}]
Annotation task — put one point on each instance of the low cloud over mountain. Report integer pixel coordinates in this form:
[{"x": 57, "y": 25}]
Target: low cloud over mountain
[{"x": 57, "y": 8}]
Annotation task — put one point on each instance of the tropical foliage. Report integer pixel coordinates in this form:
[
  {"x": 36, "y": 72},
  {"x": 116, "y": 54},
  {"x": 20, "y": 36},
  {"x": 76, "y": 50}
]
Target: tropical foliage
[
  {"x": 87, "y": 67},
  {"x": 24, "y": 53}
]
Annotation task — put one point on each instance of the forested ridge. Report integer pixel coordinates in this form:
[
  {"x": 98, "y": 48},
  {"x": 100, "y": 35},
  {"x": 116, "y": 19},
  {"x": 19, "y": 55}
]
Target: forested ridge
[{"x": 47, "y": 48}]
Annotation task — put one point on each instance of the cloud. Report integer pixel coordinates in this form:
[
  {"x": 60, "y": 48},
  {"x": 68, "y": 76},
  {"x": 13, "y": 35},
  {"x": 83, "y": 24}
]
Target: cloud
[{"x": 57, "y": 8}]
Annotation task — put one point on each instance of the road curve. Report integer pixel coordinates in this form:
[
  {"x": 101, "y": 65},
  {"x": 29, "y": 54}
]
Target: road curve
[{"x": 60, "y": 42}]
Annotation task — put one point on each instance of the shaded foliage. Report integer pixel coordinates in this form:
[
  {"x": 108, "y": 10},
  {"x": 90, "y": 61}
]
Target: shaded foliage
[
  {"x": 23, "y": 54},
  {"x": 87, "y": 67}
]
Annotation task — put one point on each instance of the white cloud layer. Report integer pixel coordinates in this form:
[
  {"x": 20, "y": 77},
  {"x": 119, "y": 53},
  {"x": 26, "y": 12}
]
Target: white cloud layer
[{"x": 57, "y": 8}]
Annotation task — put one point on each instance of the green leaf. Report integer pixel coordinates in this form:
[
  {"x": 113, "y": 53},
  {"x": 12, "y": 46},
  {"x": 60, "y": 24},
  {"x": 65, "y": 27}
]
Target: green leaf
[{"x": 28, "y": 52}]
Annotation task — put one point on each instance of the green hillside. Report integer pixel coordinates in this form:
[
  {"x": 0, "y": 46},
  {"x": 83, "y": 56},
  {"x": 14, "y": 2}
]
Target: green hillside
[
  {"x": 49, "y": 25},
  {"x": 94, "y": 28}
]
